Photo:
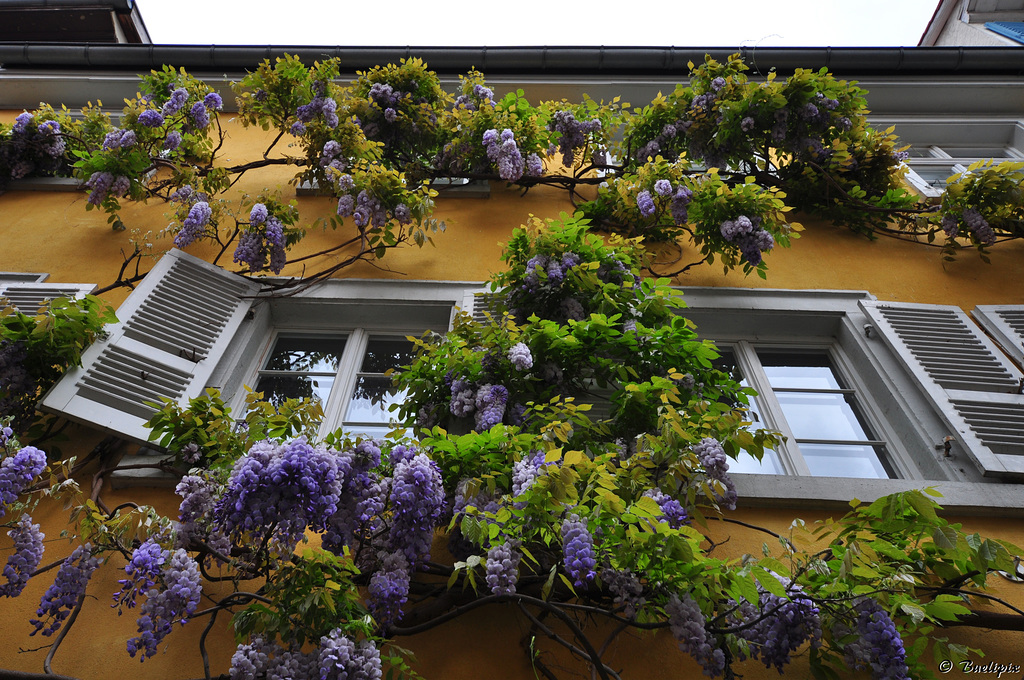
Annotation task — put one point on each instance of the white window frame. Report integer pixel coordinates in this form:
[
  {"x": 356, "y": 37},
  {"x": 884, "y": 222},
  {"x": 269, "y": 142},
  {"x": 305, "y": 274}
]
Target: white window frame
[
  {"x": 788, "y": 455},
  {"x": 945, "y": 138},
  {"x": 899, "y": 407},
  {"x": 347, "y": 373},
  {"x": 352, "y": 308}
]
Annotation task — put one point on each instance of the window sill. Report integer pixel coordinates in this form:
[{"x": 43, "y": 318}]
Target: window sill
[
  {"x": 65, "y": 184},
  {"x": 831, "y": 493}
]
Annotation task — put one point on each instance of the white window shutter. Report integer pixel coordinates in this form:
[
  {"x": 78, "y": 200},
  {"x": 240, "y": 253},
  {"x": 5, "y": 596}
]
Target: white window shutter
[
  {"x": 1005, "y": 323},
  {"x": 484, "y": 303},
  {"x": 27, "y": 298},
  {"x": 172, "y": 330},
  {"x": 972, "y": 384}
]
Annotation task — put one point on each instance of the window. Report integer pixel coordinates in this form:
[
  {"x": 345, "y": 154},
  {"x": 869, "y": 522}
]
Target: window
[
  {"x": 942, "y": 148},
  {"x": 346, "y": 373},
  {"x": 802, "y": 395},
  {"x": 867, "y": 389}
]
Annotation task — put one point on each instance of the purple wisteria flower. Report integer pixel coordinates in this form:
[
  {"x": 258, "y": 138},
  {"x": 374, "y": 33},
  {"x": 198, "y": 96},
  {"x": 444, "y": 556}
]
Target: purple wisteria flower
[
  {"x": 673, "y": 512},
  {"x": 176, "y": 602},
  {"x": 578, "y": 551},
  {"x": 17, "y": 472},
  {"x": 258, "y": 214},
  {"x": 490, "y": 406},
  {"x": 626, "y": 588},
  {"x": 194, "y": 225},
  {"x": 417, "y": 496},
  {"x": 143, "y": 572},
  {"x": 176, "y": 102},
  {"x": 173, "y": 140},
  {"x": 645, "y": 202},
  {"x": 199, "y": 115},
  {"x": 388, "y": 590},
  {"x": 63, "y": 595},
  {"x": 879, "y": 646},
  {"x": 716, "y": 465},
  {"x": 28, "y": 551},
  {"x": 687, "y": 624},
  {"x": 281, "y": 489},
  {"x": 520, "y": 356},
  {"x": 505, "y": 154},
  {"x": 503, "y": 568},
  {"x": 151, "y": 118},
  {"x": 213, "y": 102}
]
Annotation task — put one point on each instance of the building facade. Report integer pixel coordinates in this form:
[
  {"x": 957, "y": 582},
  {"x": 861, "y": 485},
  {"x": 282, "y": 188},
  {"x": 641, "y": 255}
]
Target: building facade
[{"x": 915, "y": 362}]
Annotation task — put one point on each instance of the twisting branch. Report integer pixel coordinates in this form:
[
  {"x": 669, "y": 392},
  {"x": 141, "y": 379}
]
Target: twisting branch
[{"x": 62, "y": 634}]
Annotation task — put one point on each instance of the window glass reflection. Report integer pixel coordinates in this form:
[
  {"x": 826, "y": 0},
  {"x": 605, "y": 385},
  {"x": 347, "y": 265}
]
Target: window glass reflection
[
  {"x": 373, "y": 394},
  {"x": 313, "y": 355},
  {"x": 840, "y": 460},
  {"x": 278, "y": 388},
  {"x": 385, "y": 353},
  {"x": 821, "y": 416},
  {"x": 810, "y": 370}
]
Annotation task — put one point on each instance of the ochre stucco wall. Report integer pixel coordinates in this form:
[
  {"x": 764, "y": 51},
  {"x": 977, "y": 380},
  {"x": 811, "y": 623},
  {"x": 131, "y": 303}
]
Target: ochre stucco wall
[{"x": 52, "y": 232}]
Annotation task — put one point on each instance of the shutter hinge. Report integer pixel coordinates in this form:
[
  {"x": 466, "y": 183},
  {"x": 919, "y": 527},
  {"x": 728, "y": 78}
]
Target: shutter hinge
[{"x": 868, "y": 330}]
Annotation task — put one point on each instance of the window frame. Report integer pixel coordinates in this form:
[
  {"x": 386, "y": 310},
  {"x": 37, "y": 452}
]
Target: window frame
[
  {"x": 942, "y": 137},
  {"x": 915, "y": 429},
  {"x": 747, "y": 354},
  {"x": 358, "y": 309}
]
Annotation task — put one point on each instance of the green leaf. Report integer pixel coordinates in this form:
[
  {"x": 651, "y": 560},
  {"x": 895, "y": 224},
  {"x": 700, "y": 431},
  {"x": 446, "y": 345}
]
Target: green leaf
[
  {"x": 769, "y": 582},
  {"x": 924, "y": 507},
  {"x": 914, "y": 611}
]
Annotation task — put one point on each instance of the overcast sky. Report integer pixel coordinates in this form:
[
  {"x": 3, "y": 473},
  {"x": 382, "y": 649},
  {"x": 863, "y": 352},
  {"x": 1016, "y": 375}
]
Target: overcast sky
[{"x": 681, "y": 23}]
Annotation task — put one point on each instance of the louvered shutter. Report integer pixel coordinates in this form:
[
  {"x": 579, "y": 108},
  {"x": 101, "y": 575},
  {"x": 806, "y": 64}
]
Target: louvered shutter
[
  {"x": 173, "y": 329},
  {"x": 29, "y": 297},
  {"x": 1014, "y": 30},
  {"x": 1005, "y": 323},
  {"x": 961, "y": 370},
  {"x": 485, "y": 303}
]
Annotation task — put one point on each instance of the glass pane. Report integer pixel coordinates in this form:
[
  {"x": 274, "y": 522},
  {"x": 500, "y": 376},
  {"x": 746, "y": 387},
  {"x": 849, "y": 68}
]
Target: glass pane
[
  {"x": 935, "y": 175},
  {"x": 768, "y": 465},
  {"x": 802, "y": 371},
  {"x": 277, "y": 388},
  {"x": 366, "y": 431},
  {"x": 821, "y": 416},
  {"x": 839, "y": 460},
  {"x": 920, "y": 152},
  {"x": 313, "y": 355},
  {"x": 371, "y": 399},
  {"x": 385, "y": 353}
]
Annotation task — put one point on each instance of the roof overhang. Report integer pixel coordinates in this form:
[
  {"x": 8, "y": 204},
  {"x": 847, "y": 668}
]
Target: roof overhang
[{"x": 900, "y": 80}]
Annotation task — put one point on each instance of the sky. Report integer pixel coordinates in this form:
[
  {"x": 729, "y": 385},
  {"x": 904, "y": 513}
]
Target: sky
[{"x": 660, "y": 23}]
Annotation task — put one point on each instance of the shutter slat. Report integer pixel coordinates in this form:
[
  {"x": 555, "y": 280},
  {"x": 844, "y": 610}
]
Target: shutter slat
[
  {"x": 28, "y": 298},
  {"x": 1005, "y": 323},
  {"x": 485, "y": 304},
  {"x": 173, "y": 329},
  {"x": 966, "y": 377}
]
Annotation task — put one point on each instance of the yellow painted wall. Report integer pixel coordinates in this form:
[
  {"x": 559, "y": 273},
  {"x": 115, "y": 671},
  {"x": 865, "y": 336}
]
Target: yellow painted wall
[{"x": 52, "y": 232}]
